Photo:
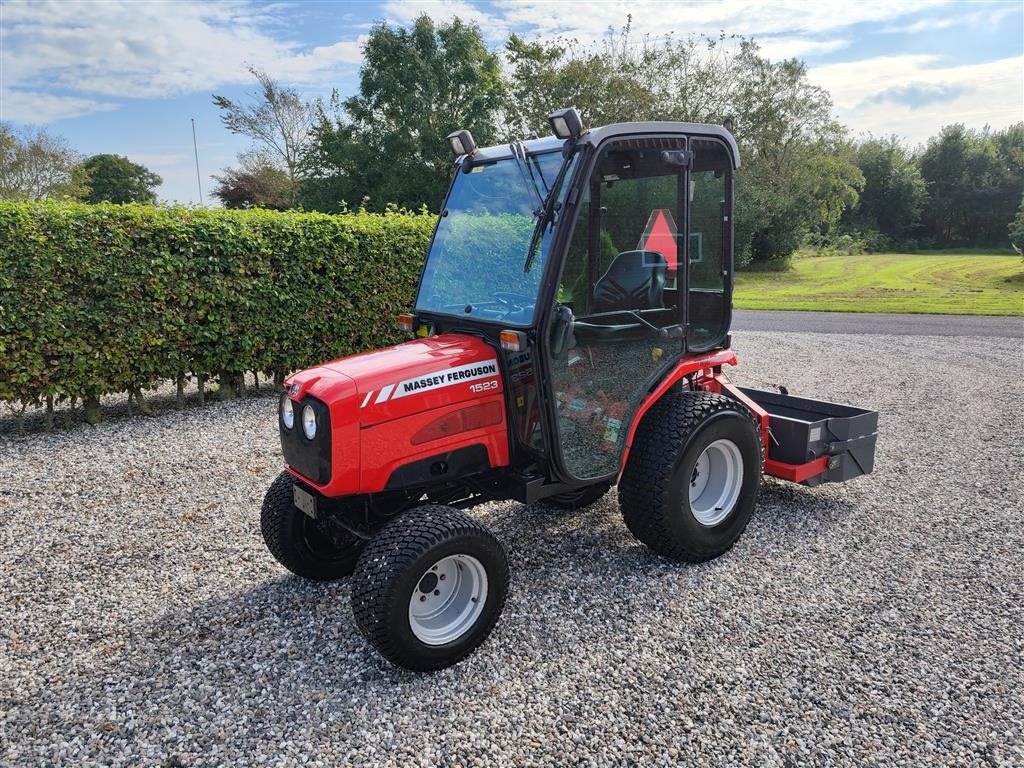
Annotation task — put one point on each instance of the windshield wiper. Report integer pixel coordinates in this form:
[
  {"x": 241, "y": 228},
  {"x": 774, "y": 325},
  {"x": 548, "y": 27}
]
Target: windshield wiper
[
  {"x": 523, "y": 164},
  {"x": 550, "y": 206}
]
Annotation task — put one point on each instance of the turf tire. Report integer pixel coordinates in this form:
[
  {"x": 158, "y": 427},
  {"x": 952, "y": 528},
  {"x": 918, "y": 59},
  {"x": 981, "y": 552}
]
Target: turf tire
[
  {"x": 578, "y": 499},
  {"x": 391, "y": 567},
  {"x": 312, "y": 549},
  {"x": 654, "y": 488}
]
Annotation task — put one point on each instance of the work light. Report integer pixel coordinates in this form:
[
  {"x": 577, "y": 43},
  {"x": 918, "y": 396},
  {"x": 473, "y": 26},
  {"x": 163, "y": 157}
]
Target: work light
[
  {"x": 566, "y": 123},
  {"x": 461, "y": 143},
  {"x": 308, "y": 422},
  {"x": 287, "y": 412}
]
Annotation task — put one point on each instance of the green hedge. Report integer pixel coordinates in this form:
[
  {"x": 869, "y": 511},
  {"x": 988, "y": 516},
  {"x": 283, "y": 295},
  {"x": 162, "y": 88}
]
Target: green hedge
[{"x": 99, "y": 299}]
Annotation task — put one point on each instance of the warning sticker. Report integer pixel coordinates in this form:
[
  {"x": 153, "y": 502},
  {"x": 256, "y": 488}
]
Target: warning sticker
[{"x": 611, "y": 432}]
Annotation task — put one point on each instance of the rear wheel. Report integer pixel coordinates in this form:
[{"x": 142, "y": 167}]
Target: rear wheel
[
  {"x": 318, "y": 550},
  {"x": 692, "y": 477},
  {"x": 578, "y": 499},
  {"x": 429, "y": 587}
]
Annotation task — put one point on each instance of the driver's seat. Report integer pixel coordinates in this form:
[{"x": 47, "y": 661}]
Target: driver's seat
[{"x": 634, "y": 280}]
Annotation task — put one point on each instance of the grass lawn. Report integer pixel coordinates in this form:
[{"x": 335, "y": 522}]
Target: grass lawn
[{"x": 942, "y": 283}]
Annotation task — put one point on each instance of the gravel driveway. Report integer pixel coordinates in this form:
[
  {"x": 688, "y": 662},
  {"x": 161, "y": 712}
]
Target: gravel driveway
[{"x": 142, "y": 622}]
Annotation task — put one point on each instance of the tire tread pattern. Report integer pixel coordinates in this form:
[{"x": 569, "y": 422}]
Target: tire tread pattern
[
  {"x": 644, "y": 487},
  {"x": 275, "y": 516},
  {"x": 391, "y": 553}
]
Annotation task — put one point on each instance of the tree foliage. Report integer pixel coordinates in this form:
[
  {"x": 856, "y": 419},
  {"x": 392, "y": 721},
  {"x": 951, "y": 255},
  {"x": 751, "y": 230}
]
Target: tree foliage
[
  {"x": 36, "y": 165},
  {"x": 254, "y": 183},
  {"x": 1016, "y": 229},
  {"x": 276, "y": 119},
  {"x": 803, "y": 179},
  {"x": 386, "y": 144},
  {"x": 116, "y": 179},
  {"x": 894, "y": 193},
  {"x": 799, "y": 173},
  {"x": 974, "y": 181}
]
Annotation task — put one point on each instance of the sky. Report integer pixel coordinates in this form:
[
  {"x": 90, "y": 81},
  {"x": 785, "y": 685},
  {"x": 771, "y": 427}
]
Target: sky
[{"x": 128, "y": 76}]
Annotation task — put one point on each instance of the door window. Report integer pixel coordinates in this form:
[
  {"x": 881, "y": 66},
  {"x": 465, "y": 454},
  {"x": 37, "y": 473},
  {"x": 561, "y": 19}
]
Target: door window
[
  {"x": 618, "y": 324},
  {"x": 710, "y": 246}
]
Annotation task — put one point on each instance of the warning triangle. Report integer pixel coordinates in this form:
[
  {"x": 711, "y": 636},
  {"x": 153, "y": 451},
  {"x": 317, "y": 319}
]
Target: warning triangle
[{"x": 660, "y": 235}]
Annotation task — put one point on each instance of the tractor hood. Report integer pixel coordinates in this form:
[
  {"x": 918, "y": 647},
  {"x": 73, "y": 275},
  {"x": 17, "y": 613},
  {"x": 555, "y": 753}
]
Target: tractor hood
[{"x": 419, "y": 375}]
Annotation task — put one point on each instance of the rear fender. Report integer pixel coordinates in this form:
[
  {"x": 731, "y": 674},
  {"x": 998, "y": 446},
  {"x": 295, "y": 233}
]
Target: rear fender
[{"x": 706, "y": 367}]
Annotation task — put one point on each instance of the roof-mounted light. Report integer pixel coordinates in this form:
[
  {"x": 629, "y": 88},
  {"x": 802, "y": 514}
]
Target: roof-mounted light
[
  {"x": 461, "y": 143},
  {"x": 566, "y": 123}
]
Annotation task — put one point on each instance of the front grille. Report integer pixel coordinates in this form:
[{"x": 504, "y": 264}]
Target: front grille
[{"x": 311, "y": 458}]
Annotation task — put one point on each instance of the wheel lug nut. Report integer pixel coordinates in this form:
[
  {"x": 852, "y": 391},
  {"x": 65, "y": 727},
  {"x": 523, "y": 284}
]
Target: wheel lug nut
[
  {"x": 422, "y": 598},
  {"x": 437, "y": 591},
  {"x": 443, "y": 577}
]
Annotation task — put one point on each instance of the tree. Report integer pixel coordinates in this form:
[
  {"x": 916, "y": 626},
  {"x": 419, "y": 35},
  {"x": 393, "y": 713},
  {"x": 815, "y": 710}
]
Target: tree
[
  {"x": 799, "y": 173},
  {"x": 116, "y": 179},
  {"x": 974, "y": 180},
  {"x": 387, "y": 143},
  {"x": 35, "y": 165},
  {"x": 894, "y": 193},
  {"x": 255, "y": 183},
  {"x": 278, "y": 121},
  {"x": 1017, "y": 229},
  {"x": 617, "y": 79}
]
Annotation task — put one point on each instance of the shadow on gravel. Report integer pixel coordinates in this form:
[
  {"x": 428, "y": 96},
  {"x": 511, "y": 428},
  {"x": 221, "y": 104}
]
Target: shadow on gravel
[
  {"x": 284, "y": 647},
  {"x": 120, "y": 407},
  {"x": 788, "y": 514}
]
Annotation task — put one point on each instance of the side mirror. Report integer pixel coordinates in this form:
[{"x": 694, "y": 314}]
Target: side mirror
[{"x": 562, "y": 339}]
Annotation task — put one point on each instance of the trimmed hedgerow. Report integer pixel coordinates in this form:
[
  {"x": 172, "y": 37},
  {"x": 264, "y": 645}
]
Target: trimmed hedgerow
[{"x": 100, "y": 299}]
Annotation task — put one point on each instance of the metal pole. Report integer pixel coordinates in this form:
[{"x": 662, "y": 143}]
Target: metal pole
[{"x": 195, "y": 149}]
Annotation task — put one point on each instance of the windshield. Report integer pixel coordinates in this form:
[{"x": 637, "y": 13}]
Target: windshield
[{"x": 477, "y": 265}]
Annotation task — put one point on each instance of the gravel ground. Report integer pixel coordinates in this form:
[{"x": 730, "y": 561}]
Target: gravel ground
[{"x": 142, "y": 622}]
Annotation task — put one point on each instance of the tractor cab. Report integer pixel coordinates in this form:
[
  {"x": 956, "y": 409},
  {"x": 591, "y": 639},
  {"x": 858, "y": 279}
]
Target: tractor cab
[
  {"x": 569, "y": 334},
  {"x": 606, "y": 256}
]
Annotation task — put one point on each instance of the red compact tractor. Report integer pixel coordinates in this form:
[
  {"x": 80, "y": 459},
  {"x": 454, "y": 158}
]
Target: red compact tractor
[{"x": 569, "y": 334}]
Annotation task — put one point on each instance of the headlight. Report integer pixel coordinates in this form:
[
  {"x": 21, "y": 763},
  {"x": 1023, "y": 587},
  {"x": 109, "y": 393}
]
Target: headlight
[
  {"x": 287, "y": 412},
  {"x": 309, "y": 422}
]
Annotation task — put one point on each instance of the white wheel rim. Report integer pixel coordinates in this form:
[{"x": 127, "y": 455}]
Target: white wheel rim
[
  {"x": 715, "y": 482},
  {"x": 448, "y": 599}
]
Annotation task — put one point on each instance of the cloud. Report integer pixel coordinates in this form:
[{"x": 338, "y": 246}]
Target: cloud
[
  {"x": 62, "y": 59},
  {"x": 777, "y": 48},
  {"x": 918, "y": 95},
  {"x": 934, "y": 93},
  {"x": 988, "y": 17},
  {"x": 495, "y": 27},
  {"x": 25, "y": 106},
  {"x": 783, "y": 29},
  {"x": 742, "y": 17},
  {"x": 117, "y": 50}
]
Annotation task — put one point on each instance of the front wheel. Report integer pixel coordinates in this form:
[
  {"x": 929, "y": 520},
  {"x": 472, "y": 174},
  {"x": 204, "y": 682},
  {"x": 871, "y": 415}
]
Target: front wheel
[
  {"x": 429, "y": 587},
  {"x": 692, "y": 477},
  {"x": 314, "y": 549}
]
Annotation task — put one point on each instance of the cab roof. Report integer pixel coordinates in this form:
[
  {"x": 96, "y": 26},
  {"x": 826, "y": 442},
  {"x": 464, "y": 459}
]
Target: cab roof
[{"x": 596, "y": 136}]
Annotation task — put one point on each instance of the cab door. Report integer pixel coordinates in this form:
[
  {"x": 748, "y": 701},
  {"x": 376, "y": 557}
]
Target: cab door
[
  {"x": 709, "y": 284},
  {"x": 618, "y": 325}
]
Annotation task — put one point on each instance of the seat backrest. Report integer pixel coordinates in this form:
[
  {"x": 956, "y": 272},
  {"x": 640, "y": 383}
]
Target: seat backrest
[{"x": 634, "y": 280}]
